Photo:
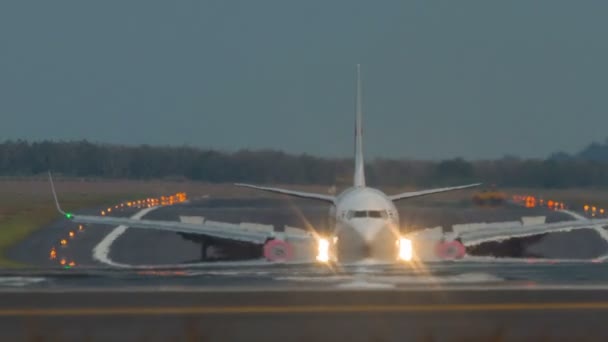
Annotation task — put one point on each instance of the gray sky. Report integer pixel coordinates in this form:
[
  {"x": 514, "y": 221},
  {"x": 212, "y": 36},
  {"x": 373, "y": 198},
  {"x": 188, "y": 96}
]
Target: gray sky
[{"x": 476, "y": 79}]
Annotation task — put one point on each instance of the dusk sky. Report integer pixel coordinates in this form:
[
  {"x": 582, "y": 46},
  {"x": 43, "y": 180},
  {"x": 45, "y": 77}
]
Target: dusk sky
[{"x": 441, "y": 79}]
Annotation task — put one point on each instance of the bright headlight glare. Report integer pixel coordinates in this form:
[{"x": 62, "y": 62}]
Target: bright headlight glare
[
  {"x": 323, "y": 250},
  {"x": 405, "y": 249}
]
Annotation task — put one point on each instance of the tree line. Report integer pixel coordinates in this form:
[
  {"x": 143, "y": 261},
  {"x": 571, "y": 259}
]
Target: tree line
[{"x": 86, "y": 159}]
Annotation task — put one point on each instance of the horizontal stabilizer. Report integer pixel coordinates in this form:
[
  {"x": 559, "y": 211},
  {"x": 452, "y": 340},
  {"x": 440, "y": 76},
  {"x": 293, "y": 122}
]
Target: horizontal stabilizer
[
  {"x": 411, "y": 194},
  {"x": 301, "y": 194}
]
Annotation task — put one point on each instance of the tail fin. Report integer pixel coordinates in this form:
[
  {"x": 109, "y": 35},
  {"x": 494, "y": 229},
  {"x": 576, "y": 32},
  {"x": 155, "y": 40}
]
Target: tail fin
[{"x": 359, "y": 177}]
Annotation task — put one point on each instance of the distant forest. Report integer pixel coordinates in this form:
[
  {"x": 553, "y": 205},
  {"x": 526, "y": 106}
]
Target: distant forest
[{"x": 85, "y": 159}]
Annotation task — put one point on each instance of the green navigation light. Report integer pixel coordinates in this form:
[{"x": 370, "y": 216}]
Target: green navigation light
[{"x": 69, "y": 215}]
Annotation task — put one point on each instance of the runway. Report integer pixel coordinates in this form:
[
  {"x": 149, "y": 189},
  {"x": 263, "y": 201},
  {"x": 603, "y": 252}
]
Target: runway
[
  {"x": 144, "y": 247},
  {"x": 166, "y": 293},
  {"x": 260, "y": 274},
  {"x": 282, "y": 315}
]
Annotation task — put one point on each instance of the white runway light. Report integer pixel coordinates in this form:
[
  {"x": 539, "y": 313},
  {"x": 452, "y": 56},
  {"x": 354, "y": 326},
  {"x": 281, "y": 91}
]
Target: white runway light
[
  {"x": 405, "y": 249},
  {"x": 323, "y": 250}
]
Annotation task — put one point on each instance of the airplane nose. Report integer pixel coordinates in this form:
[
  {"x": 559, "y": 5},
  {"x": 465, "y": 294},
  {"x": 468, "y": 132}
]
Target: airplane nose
[
  {"x": 366, "y": 238},
  {"x": 368, "y": 229}
]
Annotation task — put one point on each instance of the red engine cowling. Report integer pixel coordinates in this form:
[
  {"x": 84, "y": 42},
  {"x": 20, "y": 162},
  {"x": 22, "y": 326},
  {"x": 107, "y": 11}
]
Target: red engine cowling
[
  {"x": 278, "y": 250},
  {"x": 450, "y": 250}
]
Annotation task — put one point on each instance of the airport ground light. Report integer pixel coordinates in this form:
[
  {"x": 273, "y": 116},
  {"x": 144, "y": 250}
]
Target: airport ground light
[{"x": 530, "y": 201}]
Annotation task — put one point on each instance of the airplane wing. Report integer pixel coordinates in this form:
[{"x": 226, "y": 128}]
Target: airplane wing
[
  {"x": 213, "y": 229},
  {"x": 411, "y": 194},
  {"x": 223, "y": 231},
  {"x": 470, "y": 238},
  {"x": 301, "y": 194}
]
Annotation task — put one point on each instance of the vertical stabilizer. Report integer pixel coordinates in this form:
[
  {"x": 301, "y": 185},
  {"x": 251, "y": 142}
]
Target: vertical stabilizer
[{"x": 359, "y": 179}]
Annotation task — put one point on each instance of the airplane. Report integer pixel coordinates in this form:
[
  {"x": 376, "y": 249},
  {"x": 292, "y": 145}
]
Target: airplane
[{"x": 364, "y": 220}]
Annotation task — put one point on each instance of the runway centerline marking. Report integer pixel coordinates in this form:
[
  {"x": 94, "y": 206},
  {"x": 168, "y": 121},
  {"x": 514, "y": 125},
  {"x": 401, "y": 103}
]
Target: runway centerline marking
[{"x": 299, "y": 309}]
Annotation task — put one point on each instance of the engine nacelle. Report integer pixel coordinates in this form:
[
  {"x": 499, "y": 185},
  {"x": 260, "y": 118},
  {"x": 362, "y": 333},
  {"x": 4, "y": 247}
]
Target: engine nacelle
[
  {"x": 450, "y": 250},
  {"x": 278, "y": 250}
]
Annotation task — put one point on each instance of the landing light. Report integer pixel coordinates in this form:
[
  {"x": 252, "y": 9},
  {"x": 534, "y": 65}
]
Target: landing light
[
  {"x": 323, "y": 250},
  {"x": 405, "y": 249}
]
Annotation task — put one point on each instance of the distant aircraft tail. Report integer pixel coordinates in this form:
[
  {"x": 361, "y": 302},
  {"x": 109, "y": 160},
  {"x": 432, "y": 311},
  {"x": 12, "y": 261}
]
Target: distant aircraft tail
[{"x": 359, "y": 176}]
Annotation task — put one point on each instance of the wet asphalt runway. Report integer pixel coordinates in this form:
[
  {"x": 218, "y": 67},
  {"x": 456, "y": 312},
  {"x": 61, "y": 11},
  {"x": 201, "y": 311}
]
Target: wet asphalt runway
[
  {"x": 254, "y": 301},
  {"x": 270, "y": 315}
]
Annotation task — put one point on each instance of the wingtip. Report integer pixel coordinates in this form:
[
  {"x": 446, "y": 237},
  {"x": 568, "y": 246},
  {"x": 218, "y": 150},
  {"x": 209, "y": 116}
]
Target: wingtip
[
  {"x": 474, "y": 185},
  {"x": 245, "y": 185},
  {"x": 68, "y": 215}
]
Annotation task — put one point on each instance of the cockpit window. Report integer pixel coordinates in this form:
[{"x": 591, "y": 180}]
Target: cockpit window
[
  {"x": 377, "y": 213},
  {"x": 367, "y": 213},
  {"x": 360, "y": 213}
]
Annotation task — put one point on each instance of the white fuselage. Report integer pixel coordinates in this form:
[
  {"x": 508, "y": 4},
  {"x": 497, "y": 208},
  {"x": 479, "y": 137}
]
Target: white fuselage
[{"x": 366, "y": 225}]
